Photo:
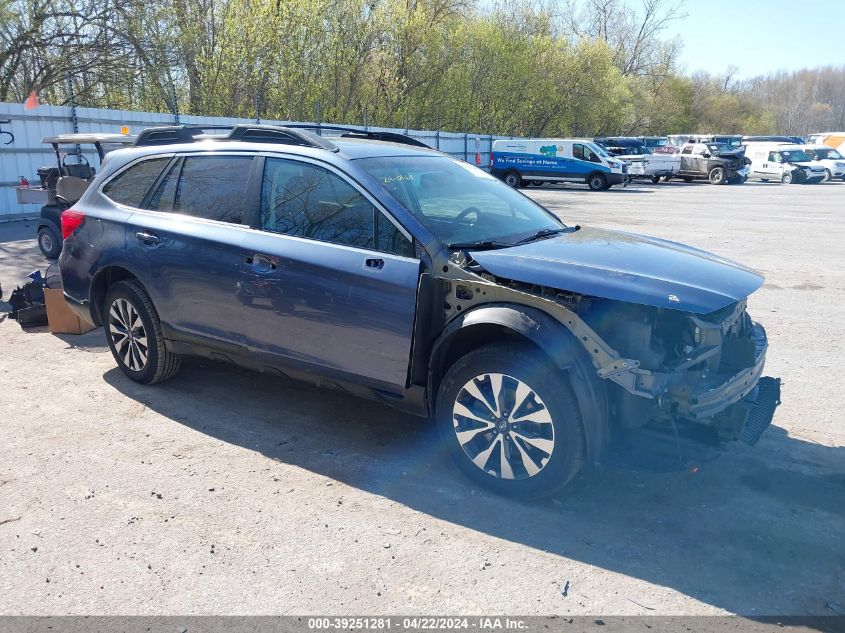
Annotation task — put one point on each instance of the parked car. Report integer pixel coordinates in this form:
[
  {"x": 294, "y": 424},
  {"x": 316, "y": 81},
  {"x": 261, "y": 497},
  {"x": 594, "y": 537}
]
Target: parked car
[
  {"x": 62, "y": 185},
  {"x": 642, "y": 163},
  {"x": 832, "y": 161},
  {"x": 783, "y": 163},
  {"x": 519, "y": 162},
  {"x": 720, "y": 164},
  {"x": 401, "y": 274}
]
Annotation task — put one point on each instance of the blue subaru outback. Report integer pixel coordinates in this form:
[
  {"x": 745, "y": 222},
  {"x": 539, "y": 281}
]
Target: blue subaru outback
[{"x": 371, "y": 264}]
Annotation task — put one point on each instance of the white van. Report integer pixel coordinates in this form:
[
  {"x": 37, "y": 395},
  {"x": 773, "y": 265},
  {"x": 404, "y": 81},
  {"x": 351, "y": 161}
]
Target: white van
[
  {"x": 523, "y": 162},
  {"x": 782, "y": 162},
  {"x": 829, "y": 158}
]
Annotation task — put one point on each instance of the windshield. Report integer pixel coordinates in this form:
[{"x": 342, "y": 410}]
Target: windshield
[
  {"x": 794, "y": 156},
  {"x": 717, "y": 148},
  {"x": 460, "y": 203},
  {"x": 828, "y": 154}
]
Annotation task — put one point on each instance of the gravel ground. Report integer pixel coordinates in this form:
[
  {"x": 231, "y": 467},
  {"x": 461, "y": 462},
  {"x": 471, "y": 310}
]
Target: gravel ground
[{"x": 225, "y": 491}]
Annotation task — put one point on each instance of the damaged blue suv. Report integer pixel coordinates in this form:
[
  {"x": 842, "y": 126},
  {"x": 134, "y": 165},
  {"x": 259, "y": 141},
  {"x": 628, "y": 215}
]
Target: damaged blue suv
[{"x": 372, "y": 264}]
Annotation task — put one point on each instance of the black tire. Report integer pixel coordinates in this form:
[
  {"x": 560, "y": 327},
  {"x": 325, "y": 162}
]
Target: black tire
[
  {"x": 516, "y": 362},
  {"x": 717, "y": 176},
  {"x": 655, "y": 180},
  {"x": 160, "y": 364},
  {"x": 49, "y": 243},
  {"x": 787, "y": 178},
  {"x": 513, "y": 179},
  {"x": 827, "y": 175},
  {"x": 597, "y": 182}
]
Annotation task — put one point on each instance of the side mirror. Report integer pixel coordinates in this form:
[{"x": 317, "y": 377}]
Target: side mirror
[{"x": 707, "y": 154}]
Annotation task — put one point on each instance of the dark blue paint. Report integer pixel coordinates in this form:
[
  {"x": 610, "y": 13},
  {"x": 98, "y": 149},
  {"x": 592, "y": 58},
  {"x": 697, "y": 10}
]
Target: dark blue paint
[{"x": 626, "y": 267}]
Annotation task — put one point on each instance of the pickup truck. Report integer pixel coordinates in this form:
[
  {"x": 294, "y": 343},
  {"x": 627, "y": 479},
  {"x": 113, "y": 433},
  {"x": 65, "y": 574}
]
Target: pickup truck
[{"x": 717, "y": 163}]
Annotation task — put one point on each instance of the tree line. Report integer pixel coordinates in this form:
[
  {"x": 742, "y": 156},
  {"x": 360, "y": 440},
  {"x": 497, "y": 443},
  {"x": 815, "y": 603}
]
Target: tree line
[{"x": 514, "y": 67}]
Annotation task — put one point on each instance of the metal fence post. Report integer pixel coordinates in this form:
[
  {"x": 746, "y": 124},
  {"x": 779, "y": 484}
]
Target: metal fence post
[
  {"x": 175, "y": 103},
  {"x": 74, "y": 121}
]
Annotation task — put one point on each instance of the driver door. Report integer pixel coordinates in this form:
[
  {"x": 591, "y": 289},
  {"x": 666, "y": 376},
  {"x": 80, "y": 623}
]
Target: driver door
[{"x": 331, "y": 282}]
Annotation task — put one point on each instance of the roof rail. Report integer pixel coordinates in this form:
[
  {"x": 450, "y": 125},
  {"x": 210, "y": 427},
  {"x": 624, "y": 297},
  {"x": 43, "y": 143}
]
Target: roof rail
[
  {"x": 249, "y": 133},
  {"x": 350, "y": 132}
]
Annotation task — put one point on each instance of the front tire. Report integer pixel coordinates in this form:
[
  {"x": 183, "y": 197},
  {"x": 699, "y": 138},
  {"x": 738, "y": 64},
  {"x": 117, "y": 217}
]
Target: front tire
[
  {"x": 827, "y": 175},
  {"x": 787, "y": 178},
  {"x": 655, "y": 180},
  {"x": 717, "y": 176},
  {"x": 513, "y": 179},
  {"x": 133, "y": 333},
  {"x": 510, "y": 420},
  {"x": 597, "y": 182},
  {"x": 49, "y": 243}
]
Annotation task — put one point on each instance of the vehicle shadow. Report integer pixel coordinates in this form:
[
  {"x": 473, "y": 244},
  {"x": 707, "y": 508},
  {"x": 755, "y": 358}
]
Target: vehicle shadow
[{"x": 758, "y": 532}]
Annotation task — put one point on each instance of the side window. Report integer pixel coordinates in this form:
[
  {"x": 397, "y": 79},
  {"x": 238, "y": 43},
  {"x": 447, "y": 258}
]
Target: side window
[
  {"x": 578, "y": 151},
  {"x": 163, "y": 197},
  {"x": 130, "y": 186},
  {"x": 389, "y": 239},
  {"x": 687, "y": 150},
  {"x": 591, "y": 155},
  {"x": 304, "y": 200},
  {"x": 213, "y": 187},
  {"x": 774, "y": 157}
]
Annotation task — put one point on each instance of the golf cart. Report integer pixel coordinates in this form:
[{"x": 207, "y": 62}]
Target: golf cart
[{"x": 65, "y": 183}]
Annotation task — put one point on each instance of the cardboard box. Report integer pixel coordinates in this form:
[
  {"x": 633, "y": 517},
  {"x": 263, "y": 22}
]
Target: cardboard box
[{"x": 60, "y": 318}]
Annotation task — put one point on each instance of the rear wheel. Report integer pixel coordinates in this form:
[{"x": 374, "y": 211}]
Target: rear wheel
[
  {"x": 597, "y": 182},
  {"x": 717, "y": 176},
  {"x": 510, "y": 420},
  {"x": 133, "y": 332},
  {"x": 513, "y": 179},
  {"x": 655, "y": 179},
  {"x": 49, "y": 243}
]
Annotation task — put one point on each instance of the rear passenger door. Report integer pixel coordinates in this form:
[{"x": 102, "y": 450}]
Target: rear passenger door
[
  {"x": 332, "y": 282},
  {"x": 187, "y": 244}
]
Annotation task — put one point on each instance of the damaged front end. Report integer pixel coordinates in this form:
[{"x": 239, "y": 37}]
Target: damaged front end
[
  {"x": 676, "y": 374},
  {"x": 698, "y": 373}
]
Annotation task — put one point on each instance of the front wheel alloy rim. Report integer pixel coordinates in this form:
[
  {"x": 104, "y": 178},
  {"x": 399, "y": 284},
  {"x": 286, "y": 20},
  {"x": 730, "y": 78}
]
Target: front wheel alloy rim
[
  {"x": 128, "y": 335},
  {"x": 46, "y": 242},
  {"x": 503, "y": 426}
]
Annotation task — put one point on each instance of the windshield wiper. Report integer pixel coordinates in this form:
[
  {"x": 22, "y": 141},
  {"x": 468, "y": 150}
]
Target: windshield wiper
[
  {"x": 479, "y": 245},
  {"x": 546, "y": 233}
]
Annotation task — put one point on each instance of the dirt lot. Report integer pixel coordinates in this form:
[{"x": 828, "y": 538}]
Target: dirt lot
[{"x": 225, "y": 491}]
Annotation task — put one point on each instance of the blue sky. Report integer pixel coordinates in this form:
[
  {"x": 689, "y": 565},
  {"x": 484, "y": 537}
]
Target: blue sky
[{"x": 761, "y": 36}]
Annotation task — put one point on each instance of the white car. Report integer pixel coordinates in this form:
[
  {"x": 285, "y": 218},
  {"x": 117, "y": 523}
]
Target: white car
[
  {"x": 829, "y": 158},
  {"x": 782, "y": 162}
]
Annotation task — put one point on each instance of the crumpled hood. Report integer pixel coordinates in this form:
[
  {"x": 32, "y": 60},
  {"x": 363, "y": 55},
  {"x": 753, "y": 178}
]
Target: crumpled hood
[{"x": 625, "y": 267}]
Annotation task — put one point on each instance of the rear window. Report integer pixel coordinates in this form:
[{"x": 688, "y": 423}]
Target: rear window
[{"x": 130, "y": 186}]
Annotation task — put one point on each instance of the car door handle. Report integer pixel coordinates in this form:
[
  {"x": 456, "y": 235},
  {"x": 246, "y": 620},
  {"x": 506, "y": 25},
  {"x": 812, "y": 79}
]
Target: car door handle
[
  {"x": 376, "y": 263},
  {"x": 260, "y": 263},
  {"x": 147, "y": 238}
]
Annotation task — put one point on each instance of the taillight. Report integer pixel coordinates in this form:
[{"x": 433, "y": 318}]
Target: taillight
[{"x": 71, "y": 220}]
